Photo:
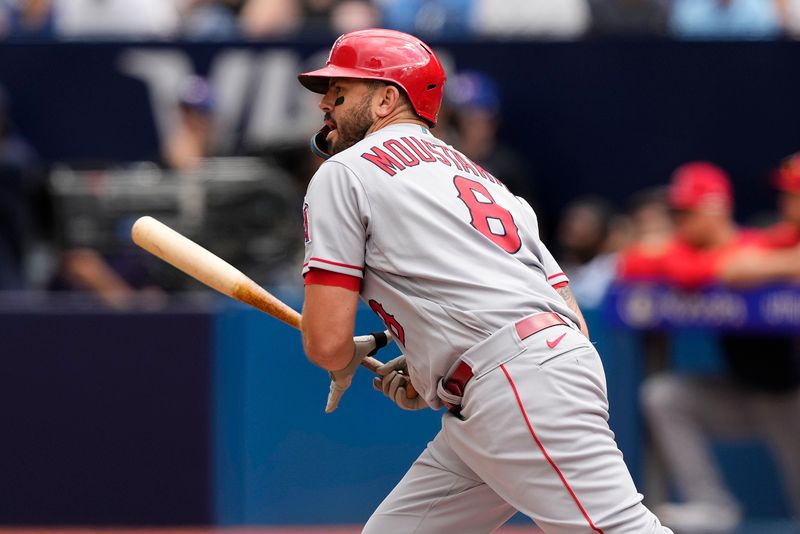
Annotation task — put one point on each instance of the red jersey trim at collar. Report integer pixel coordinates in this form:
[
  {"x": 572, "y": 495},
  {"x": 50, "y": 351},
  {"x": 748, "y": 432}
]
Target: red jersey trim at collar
[{"x": 322, "y": 277}]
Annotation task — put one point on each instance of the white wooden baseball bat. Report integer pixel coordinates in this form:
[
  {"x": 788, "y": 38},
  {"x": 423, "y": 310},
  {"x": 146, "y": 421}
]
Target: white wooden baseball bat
[{"x": 203, "y": 265}]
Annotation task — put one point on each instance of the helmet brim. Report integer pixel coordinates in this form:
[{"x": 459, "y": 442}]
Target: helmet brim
[{"x": 318, "y": 80}]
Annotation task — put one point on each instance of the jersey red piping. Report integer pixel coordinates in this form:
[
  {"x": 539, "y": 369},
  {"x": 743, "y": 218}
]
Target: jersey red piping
[
  {"x": 555, "y": 275},
  {"x": 547, "y": 456},
  {"x": 335, "y": 263}
]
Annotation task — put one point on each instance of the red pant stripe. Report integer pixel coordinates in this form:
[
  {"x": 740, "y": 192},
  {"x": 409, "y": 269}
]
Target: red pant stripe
[{"x": 547, "y": 456}]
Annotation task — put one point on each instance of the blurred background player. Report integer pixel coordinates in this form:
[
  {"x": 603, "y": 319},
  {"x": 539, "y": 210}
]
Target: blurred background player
[
  {"x": 189, "y": 142},
  {"x": 759, "y": 392},
  {"x": 652, "y": 223},
  {"x": 707, "y": 245}
]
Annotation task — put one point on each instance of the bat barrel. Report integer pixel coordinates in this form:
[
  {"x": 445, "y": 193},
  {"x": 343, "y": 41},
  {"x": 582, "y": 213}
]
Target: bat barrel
[{"x": 205, "y": 266}]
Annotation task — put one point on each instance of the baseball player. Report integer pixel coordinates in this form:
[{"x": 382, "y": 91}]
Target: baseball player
[{"x": 453, "y": 264}]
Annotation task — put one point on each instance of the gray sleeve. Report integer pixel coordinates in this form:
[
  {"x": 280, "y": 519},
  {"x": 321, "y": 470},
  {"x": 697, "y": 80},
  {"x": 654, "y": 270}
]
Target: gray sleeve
[{"x": 336, "y": 218}]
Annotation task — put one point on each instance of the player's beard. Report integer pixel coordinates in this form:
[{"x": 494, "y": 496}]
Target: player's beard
[{"x": 353, "y": 129}]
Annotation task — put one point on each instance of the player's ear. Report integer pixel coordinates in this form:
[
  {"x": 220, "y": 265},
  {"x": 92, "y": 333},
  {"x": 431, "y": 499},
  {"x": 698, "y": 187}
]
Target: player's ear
[{"x": 387, "y": 99}]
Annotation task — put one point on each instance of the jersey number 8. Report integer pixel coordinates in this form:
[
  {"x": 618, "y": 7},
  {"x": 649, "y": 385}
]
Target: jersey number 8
[{"x": 488, "y": 217}]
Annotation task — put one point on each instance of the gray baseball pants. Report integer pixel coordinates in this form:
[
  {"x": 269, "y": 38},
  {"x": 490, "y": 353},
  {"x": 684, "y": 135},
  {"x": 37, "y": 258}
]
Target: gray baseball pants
[
  {"x": 532, "y": 436},
  {"x": 684, "y": 413}
]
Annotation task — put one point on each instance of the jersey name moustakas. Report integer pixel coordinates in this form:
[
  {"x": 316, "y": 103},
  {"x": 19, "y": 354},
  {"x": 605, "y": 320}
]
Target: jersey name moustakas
[
  {"x": 408, "y": 151},
  {"x": 446, "y": 253}
]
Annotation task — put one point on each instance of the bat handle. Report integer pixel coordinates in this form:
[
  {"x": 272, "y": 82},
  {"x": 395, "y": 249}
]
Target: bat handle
[{"x": 372, "y": 364}]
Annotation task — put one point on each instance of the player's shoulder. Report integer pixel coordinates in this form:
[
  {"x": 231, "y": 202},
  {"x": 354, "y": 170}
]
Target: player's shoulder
[{"x": 334, "y": 173}]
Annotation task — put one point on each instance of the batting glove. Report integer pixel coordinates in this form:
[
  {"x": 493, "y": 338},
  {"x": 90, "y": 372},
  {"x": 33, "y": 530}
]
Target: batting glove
[
  {"x": 393, "y": 381},
  {"x": 341, "y": 379}
]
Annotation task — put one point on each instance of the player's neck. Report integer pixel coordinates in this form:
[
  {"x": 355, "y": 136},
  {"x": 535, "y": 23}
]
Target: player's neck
[{"x": 401, "y": 116}]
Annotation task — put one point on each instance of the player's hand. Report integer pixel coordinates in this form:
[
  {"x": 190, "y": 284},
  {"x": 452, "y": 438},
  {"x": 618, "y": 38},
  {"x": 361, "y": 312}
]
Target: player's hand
[
  {"x": 392, "y": 382},
  {"x": 341, "y": 379}
]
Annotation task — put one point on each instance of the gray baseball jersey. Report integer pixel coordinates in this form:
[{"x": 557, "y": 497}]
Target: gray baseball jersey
[{"x": 446, "y": 253}]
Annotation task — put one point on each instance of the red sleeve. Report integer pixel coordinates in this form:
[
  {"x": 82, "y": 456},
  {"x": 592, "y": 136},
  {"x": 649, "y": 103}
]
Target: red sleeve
[
  {"x": 781, "y": 235},
  {"x": 675, "y": 263},
  {"x": 322, "y": 277},
  {"x": 689, "y": 268},
  {"x": 692, "y": 271},
  {"x": 639, "y": 263}
]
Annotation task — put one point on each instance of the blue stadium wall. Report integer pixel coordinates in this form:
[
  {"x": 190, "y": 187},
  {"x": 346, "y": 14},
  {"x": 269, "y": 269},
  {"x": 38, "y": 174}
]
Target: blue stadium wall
[{"x": 213, "y": 415}]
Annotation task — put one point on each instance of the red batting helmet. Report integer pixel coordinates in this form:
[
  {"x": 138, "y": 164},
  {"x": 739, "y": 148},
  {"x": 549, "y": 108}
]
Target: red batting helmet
[{"x": 386, "y": 55}]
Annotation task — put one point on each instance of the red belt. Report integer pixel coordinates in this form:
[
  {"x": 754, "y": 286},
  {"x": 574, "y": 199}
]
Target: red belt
[{"x": 526, "y": 327}]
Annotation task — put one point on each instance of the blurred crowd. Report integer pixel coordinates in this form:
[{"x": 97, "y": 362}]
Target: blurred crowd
[
  {"x": 431, "y": 19},
  {"x": 65, "y": 228}
]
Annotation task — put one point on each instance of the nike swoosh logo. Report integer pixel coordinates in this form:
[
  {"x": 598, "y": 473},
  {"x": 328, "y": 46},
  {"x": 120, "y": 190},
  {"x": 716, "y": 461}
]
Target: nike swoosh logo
[{"x": 552, "y": 344}]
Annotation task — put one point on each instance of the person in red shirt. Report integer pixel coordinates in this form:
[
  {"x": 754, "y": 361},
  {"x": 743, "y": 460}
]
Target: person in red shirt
[
  {"x": 759, "y": 392},
  {"x": 708, "y": 247},
  {"x": 786, "y": 233}
]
